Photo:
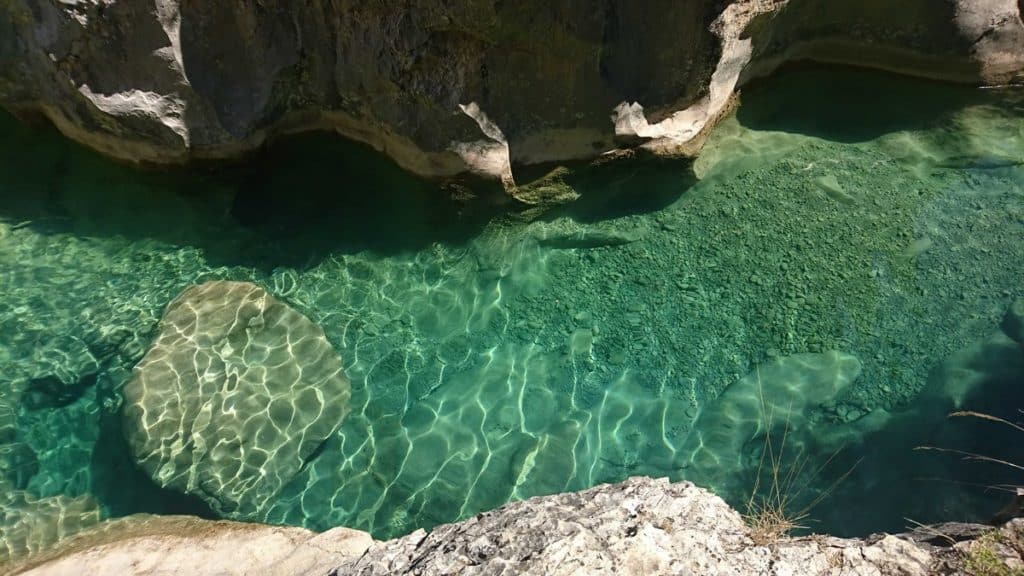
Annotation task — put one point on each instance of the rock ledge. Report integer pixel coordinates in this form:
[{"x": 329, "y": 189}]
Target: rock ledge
[
  {"x": 640, "y": 526},
  {"x": 448, "y": 87}
]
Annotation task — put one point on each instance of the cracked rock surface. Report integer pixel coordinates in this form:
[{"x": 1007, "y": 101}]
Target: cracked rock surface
[
  {"x": 447, "y": 87},
  {"x": 640, "y": 526}
]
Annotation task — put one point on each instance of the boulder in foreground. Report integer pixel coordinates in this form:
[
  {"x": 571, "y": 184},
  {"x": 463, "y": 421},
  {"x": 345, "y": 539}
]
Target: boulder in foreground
[{"x": 638, "y": 527}]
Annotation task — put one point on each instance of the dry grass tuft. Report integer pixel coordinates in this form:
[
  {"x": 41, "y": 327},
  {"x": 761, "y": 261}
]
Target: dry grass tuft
[
  {"x": 775, "y": 514},
  {"x": 980, "y": 457},
  {"x": 982, "y": 558}
]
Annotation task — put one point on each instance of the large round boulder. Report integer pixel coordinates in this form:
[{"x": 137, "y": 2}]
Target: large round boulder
[{"x": 234, "y": 395}]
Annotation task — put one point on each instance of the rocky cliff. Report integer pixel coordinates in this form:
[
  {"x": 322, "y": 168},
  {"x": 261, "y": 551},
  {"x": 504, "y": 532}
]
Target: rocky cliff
[
  {"x": 641, "y": 526},
  {"x": 446, "y": 87}
]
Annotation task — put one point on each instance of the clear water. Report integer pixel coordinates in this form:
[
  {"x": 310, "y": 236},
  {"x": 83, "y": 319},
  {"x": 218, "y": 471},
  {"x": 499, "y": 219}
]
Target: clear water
[{"x": 839, "y": 210}]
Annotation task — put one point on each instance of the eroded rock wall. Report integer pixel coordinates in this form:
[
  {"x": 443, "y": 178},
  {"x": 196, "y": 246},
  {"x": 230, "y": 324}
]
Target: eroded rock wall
[
  {"x": 449, "y": 87},
  {"x": 970, "y": 41}
]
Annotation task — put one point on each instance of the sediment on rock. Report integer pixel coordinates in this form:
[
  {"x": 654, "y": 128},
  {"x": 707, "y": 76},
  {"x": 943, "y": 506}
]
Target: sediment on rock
[{"x": 445, "y": 88}]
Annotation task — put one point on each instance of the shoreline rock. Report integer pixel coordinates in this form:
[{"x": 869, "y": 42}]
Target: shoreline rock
[
  {"x": 640, "y": 526},
  {"x": 145, "y": 544}
]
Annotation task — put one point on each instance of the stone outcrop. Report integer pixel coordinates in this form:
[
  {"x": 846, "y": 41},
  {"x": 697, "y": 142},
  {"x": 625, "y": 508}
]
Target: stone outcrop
[
  {"x": 449, "y": 87},
  {"x": 151, "y": 545},
  {"x": 638, "y": 527},
  {"x": 236, "y": 392}
]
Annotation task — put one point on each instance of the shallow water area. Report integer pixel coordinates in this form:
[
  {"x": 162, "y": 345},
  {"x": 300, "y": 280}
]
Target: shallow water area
[{"x": 833, "y": 270}]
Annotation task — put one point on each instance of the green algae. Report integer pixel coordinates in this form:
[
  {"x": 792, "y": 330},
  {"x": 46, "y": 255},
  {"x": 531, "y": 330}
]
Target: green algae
[{"x": 494, "y": 358}]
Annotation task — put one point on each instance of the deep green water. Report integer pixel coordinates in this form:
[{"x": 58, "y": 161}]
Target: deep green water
[{"x": 839, "y": 210}]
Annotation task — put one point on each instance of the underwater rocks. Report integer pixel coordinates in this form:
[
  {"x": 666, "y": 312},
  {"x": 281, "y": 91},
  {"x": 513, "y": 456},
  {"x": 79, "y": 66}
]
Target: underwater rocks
[
  {"x": 565, "y": 234},
  {"x": 640, "y": 526},
  {"x": 50, "y": 371},
  {"x": 587, "y": 239},
  {"x": 63, "y": 369},
  {"x": 988, "y": 364},
  {"x": 235, "y": 394},
  {"x": 779, "y": 393},
  {"x": 450, "y": 87},
  {"x": 637, "y": 527},
  {"x": 29, "y": 524},
  {"x": 18, "y": 464}
]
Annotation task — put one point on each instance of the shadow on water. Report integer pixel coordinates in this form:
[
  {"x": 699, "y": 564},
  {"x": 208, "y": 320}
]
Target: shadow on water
[
  {"x": 625, "y": 188},
  {"x": 291, "y": 204},
  {"x": 309, "y": 196},
  {"x": 855, "y": 105},
  {"x": 316, "y": 194},
  {"x": 918, "y": 464},
  {"x": 923, "y": 465}
]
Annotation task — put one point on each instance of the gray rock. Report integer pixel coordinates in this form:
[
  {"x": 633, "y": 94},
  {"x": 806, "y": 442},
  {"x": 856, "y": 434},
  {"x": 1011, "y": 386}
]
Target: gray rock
[
  {"x": 236, "y": 392},
  {"x": 641, "y": 526},
  {"x": 445, "y": 87},
  {"x": 638, "y": 527}
]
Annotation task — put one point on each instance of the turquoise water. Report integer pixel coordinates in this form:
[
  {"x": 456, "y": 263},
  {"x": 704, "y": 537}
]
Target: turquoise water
[{"x": 496, "y": 356}]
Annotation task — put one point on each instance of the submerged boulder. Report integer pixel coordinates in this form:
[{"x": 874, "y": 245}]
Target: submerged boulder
[{"x": 234, "y": 395}]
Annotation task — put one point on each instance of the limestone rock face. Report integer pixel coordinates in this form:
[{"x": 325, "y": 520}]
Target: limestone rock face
[
  {"x": 236, "y": 392},
  {"x": 445, "y": 87},
  {"x": 640, "y": 526}
]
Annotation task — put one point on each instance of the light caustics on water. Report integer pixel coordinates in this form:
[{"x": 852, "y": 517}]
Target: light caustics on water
[{"x": 849, "y": 259}]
